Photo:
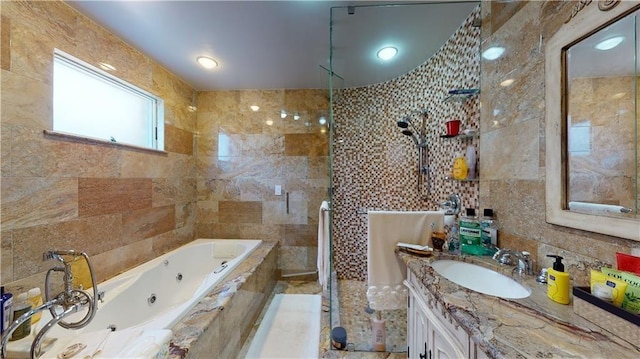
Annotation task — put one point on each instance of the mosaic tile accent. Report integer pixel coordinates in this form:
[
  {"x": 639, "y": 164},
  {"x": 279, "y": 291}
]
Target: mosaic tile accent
[{"x": 375, "y": 166}]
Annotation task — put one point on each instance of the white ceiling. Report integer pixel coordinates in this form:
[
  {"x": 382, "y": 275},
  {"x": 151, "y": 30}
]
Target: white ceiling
[{"x": 280, "y": 44}]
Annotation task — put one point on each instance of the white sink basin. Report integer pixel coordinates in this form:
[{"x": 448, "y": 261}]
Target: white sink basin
[{"x": 480, "y": 279}]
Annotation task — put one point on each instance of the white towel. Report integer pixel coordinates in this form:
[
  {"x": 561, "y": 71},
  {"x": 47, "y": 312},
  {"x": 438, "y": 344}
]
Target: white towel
[
  {"x": 323, "y": 246},
  {"x": 385, "y": 271}
]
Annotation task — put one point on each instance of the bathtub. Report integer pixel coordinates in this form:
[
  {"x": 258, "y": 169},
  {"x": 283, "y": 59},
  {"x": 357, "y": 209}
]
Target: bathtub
[{"x": 157, "y": 294}]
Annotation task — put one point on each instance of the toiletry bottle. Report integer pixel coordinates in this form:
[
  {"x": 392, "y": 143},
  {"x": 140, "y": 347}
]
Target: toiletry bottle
[
  {"x": 453, "y": 241},
  {"x": 460, "y": 169},
  {"x": 489, "y": 236},
  {"x": 20, "y": 307},
  {"x": 558, "y": 281},
  {"x": 470, "y": 232},
  {"x": 35, "y": 298},
  {"x": 6, "y": 304},
  {"x": 470, "y": 159},
  {"x": 379, "y": 337}
]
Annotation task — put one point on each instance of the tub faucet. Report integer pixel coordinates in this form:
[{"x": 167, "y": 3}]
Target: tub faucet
[
  {"x": 65, "y": 303},
  {"x": 521, "y": 259}
]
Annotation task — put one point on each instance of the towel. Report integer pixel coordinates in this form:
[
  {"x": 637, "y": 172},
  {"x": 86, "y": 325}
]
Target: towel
[
  {"x": 385, "y": 271},
  {"x": 323, "y": 246},
  {"x": 125, "y": 343}
]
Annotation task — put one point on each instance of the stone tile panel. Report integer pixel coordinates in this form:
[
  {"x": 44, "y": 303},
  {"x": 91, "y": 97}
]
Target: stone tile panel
[
  {"x": 97, "y": 196},
  {"x": 145, "y": 223},
  {"x": 239, "y": 212},
  {"x": 178, "y": 140}
]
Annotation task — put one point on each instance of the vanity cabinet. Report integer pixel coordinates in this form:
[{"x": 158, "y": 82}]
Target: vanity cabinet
[{"x": 431, "y": 332}]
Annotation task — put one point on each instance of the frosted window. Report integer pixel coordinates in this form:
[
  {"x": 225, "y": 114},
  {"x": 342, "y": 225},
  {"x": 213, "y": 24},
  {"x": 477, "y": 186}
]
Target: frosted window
[{"x": 91, "y": 103}]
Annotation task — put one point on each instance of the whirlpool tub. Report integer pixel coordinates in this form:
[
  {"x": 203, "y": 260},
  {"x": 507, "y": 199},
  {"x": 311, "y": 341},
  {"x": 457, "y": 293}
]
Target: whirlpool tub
[{"x": 142, "y": 304}]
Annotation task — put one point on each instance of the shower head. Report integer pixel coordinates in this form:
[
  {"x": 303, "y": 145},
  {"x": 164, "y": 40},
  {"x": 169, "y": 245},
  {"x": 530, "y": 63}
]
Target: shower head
[{"x": 403, "y": 123}]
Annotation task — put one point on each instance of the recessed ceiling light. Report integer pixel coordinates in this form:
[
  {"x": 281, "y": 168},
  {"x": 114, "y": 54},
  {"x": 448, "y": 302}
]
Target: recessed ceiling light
[
  {"x": 609, "y": 43},
  {"x": 296, "y": 116},
  {"x": 254, "y": 108},
  {"x": 269, "y": 122},
  {"x": 387, "y": 53},
  {"x": 207, "y": 62},
  {"x": 493, "y": 52},
  {"x": 507, "y": 82},
  {"x": 283, "y": 114},
  {"x": 619, "y": 95},
  {"x": 106, "y": 66},
  {"x": 192, "y": 108},
  {"x": 322, "y": 120}
]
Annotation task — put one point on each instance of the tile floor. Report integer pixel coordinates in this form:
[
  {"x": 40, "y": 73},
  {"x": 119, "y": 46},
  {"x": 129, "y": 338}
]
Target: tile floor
[{"x": 353, "y": 318}]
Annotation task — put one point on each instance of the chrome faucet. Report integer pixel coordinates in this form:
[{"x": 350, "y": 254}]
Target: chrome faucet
[
  {"x": 65, "y": 303},
  {"x": 521, "y": 259}
]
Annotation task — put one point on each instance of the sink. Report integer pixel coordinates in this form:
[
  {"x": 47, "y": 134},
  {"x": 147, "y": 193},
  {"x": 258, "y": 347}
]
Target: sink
[{"x": 480, "y": 279}]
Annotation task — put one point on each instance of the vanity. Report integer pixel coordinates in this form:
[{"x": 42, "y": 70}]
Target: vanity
[{"x": 446, "y": 320}]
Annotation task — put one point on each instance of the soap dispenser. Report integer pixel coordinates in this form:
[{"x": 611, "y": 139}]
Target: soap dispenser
[{"x": 558, "y": 281}]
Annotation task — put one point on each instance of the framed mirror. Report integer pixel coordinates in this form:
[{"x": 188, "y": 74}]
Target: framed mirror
[{"x": 591, "y": 85}]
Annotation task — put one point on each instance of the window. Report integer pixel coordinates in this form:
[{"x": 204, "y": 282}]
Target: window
[{"x": 89, "y": 102}]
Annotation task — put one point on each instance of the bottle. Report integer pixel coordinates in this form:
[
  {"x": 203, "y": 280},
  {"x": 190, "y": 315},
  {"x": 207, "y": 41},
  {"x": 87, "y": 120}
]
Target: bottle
[
  {"x": 460, "y": 169},
  {"x": 379, "y": 337},
  {"x": 35, "y": 298},
  {"x": 453, "y": 240},
  {"x": 20, "y": 307},
  {"x": 6, "y": 303},
  {"x": 558, "y": 281},
  {"x": 470, "y": 159},
  {"x": 470, "y": 233},
  {"x": 489, "y": 236}
]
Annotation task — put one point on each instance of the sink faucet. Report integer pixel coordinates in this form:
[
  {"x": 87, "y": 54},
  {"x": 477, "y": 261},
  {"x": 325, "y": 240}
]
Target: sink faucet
[
  {"x": 67, "y": 302},
  {"x": 509, "y": 257}
]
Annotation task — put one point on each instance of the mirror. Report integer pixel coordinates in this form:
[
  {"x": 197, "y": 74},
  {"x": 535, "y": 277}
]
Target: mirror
[{"x": 591, "y": 125}]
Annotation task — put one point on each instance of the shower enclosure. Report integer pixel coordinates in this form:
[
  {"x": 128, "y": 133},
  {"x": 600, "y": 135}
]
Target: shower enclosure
[{"x": 373, "y": 163}]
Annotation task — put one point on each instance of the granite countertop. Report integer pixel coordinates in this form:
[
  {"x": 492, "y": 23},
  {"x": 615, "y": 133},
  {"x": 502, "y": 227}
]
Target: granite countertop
[{"x": 507, "y": 328}]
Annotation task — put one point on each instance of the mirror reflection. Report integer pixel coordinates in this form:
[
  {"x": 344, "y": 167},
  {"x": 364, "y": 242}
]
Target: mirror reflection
[{"x": 601, "y": 122}]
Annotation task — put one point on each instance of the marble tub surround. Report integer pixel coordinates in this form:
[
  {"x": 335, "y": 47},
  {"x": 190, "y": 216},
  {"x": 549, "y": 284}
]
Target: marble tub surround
[
  {"x": 220, "y": 323},
  {"x": 531, "y": 327}
]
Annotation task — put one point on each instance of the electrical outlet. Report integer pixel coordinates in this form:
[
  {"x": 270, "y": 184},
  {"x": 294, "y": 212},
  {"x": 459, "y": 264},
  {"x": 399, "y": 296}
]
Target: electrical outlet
[{"x": 278, "y": 190}]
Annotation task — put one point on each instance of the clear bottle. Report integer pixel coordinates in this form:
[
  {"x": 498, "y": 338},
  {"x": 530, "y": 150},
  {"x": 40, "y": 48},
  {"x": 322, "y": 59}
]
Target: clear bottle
[
  {"x": 470, "y": 158},
  {"x": 35, "y": 298},
  {"x": 453, "y": 240},
  {"x": 20, "y": 307},
  {"x": 489, "y": 236}
]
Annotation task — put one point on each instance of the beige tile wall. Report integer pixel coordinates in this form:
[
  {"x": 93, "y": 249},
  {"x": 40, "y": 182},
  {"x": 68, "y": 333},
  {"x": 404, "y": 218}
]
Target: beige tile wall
[
  {"x": 513, "y": 142},
  {"x": 242, "y": 155},
  {"x": 122, "y": 206}
]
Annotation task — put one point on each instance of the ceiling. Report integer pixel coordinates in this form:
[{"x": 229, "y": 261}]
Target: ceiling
[{"x": 280, "y": 44}]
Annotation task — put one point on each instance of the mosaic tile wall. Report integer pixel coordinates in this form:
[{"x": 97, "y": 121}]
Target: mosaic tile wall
[{"x": 375, "y": 165}]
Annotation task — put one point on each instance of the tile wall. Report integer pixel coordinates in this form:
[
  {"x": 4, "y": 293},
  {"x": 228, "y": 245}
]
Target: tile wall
[
  {"x": 124, "y": 206},
  {"x": 513, "y": 141},
  {"x": 121, "y": 205},
  {"x": 243, "y": 155},
  {"x": 375, "y": 166}
]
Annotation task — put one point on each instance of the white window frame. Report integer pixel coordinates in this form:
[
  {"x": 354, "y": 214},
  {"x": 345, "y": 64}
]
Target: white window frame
[{"x": 155, "y": 119}]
